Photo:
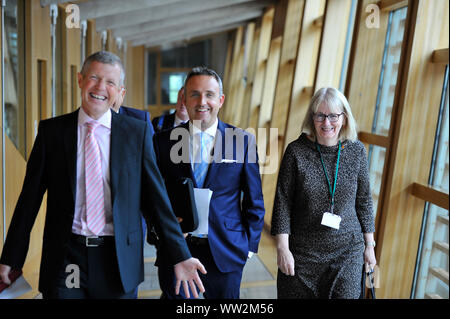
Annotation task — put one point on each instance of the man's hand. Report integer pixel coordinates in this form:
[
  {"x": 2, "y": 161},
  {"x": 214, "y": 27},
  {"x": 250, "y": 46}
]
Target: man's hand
[
  {"x": 4, "y": 274},
  {"x": 186, "y": 272}
]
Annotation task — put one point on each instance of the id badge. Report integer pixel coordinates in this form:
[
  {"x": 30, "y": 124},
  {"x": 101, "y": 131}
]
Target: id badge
[{"x": 331, "y": 220}]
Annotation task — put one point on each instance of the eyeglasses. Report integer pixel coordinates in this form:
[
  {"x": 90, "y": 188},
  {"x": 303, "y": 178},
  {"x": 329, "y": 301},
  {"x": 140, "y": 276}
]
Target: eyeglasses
[{"x": 332, "y": 117}]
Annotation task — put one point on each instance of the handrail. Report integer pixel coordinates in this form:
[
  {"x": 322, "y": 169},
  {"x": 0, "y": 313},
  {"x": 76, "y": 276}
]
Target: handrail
[
  {"x": 374, "y": 139},
  {"x": 430, "y": 194}
]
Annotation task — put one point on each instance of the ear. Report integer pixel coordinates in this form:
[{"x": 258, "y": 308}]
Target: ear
[
  {"x": 221, "y": 100},
  {"x": 80, "y": 79}
]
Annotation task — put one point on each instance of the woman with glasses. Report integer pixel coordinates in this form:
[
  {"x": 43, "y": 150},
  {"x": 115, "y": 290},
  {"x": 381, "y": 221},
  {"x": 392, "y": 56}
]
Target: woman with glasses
[{"x": 322, "y": 216}]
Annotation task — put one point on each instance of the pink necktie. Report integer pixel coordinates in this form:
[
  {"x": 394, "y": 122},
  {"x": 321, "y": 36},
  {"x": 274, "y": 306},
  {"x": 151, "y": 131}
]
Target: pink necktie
[{"x": 95, "y": 203}]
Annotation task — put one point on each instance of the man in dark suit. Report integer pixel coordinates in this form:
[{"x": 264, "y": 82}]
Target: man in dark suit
[
  {"x": 168, "y": 121},
  {"x": 230, "y": 231},
  {"x": 108, "y": 251}
]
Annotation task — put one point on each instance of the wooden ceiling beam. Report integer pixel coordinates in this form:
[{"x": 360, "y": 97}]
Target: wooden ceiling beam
[{"x": 161, "y": 12}]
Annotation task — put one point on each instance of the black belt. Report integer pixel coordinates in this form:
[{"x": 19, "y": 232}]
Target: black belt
[
  {"x": 196, "y": 240},
  {"x": 92, "y": 241}
]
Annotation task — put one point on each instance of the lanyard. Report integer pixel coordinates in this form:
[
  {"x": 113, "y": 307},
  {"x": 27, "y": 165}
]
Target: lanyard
[{"x": 332, "y": 191}]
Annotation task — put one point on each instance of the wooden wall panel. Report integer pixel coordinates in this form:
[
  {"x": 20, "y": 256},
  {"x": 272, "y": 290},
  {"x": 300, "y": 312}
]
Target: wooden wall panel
[
  {"x": 93, "y": 39},
  {"x": 364, "y": 67},
  {"x": 260, "y": 66},
  {"x": 332, "y": 47},
  {"x": 38, "y": 44},
  {"x": 242, "y": 103},
  {"x": 413, "y": 135},
  {"x": 71, "y": 55},
  {"x": 305, "y": 69},
  {"x": 234, "y": 84},
  {"x": 135, "y": 78},
  {"x": 283, "y": 91}
]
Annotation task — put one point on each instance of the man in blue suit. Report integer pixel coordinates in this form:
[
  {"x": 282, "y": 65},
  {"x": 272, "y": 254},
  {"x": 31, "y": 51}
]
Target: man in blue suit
[
  {"x": 230, "y": 231},
  {"x": 108, "y": 254}
]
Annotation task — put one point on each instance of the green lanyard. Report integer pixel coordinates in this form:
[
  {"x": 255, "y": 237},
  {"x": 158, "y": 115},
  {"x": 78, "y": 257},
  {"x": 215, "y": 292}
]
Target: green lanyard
[{"x": 332, "y": 191}]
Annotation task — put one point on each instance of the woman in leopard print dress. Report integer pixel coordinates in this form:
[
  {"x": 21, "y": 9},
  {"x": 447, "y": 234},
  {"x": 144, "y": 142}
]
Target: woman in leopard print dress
[{"x": 324, "y": 171}]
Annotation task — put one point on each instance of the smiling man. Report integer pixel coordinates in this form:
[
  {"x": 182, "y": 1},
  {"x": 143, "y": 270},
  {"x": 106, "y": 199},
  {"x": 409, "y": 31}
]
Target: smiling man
[
  {"x": 100, "y": 174},
  {"x": 224, "y": 168}
]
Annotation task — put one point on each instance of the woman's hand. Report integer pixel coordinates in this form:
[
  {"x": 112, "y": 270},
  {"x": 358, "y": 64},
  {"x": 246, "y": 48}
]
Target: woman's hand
[
  {"x": 285, "y": 259},
  {"x": 369, "y": 252},
  {"x": 369, "y": 258}
]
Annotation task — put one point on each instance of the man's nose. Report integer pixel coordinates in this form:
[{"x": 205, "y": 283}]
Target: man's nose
[
  {"x": 101, "y": 84},
  {"x": 202, "y": 99}
]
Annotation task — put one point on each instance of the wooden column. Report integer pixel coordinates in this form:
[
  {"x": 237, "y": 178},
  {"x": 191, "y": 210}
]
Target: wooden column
[
  {"x": 305, "y": 69},
  {"x": 280, "y": 107},
  {"x": 260, "y": 66},
  {"x": 335, "y": 25}
]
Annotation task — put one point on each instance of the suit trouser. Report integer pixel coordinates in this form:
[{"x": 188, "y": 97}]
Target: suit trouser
[
  {"x": 218, "y": 285},
  {"x": 98, "y": 278}
]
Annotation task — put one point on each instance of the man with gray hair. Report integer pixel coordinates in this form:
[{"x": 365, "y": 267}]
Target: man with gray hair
[{"x": 100, "y": 174}]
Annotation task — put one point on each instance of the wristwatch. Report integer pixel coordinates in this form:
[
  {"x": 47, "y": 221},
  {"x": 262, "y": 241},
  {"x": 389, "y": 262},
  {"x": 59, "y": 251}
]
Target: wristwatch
[{"x": 370, "y": 243}]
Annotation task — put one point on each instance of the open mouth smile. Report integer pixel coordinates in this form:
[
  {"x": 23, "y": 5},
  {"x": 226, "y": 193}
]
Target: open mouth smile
[{"x": 97, "y": 97}]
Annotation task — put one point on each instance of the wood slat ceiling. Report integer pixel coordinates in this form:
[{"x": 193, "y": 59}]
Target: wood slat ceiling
[{"x": 163, "y": 22}]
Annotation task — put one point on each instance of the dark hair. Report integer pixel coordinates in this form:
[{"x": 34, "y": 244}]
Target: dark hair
[
  {"x": 203, "y": 70},
  {"x": 104, "y": 57}
]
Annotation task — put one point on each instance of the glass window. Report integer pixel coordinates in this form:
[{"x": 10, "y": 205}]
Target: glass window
[
  {"x": 191, "y": 55},
  {"x": 167, "y": 69},
  {"x": 14, "y": 75},
  {"x": 348, "y": 45},
  {"x": 376, "y": 156},
  {"x": 171, "y": 82},
  {"x": 431, "y": 278},
  {"x": 389, "y": 71}
]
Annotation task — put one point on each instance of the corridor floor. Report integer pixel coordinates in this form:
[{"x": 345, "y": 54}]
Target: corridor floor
[{"x": 258, "y": 280}]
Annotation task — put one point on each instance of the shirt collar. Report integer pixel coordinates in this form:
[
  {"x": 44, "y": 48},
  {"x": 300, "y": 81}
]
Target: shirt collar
[
  {"x": 104, "y": 120},
  {"x": 178, "y": 121},
  {"x": 211, "y": 131}
]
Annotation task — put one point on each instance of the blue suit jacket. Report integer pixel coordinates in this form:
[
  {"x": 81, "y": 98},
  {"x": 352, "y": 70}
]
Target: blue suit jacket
[
  {"x": 136, "y": 188},
  {"x": 138, "y": 114},
  {"x": 235, "y": 221}
]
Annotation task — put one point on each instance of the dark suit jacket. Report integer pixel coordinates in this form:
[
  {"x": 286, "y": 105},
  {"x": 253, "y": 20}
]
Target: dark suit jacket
[
  {"x": 136, "y": 187},
  {"x": 138, "y": 114},
  {"x": 167, "y": 122},
  {"x": 234, "y": 226}
]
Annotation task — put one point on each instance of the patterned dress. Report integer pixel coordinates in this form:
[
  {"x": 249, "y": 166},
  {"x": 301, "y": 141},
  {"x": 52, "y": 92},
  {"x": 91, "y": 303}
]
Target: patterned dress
[{"x": 328, "y": 262}]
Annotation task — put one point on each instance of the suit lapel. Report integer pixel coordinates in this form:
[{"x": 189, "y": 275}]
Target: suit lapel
[
  {"x": 218, "y": 153},
  {"x": 70, "y": 147},
  {"x": 117, "y": 156},
  {"x": 186, "y": 168}
]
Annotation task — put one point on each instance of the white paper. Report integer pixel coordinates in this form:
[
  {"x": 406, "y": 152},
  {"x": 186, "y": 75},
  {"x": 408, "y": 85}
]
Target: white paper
[
  {"x": 202, "y": 199},
  {"x": 224, "y": 160},
  {"x": 17, "y": 289}
]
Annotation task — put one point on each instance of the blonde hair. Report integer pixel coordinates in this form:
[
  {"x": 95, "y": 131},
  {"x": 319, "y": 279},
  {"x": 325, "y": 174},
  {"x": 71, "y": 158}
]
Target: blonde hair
[{"x": 335, "y": 101}]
